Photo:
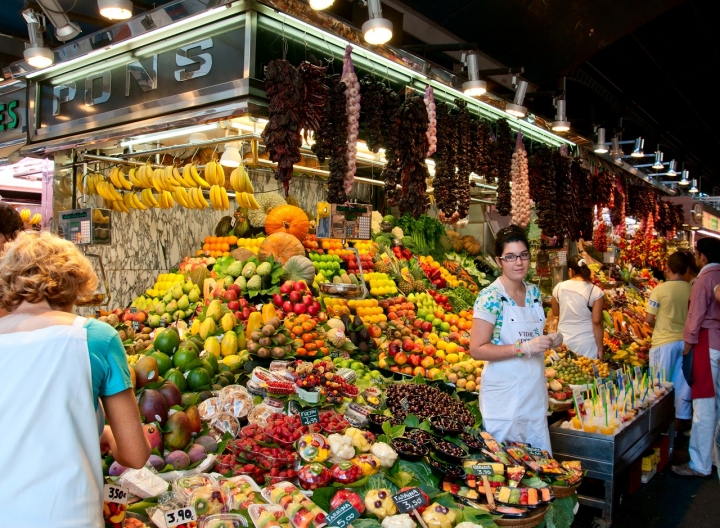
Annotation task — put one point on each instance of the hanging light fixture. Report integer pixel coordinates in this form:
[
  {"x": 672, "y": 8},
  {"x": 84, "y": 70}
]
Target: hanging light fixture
[
  {"x": 36, "y": 54},
  {"x": 671, "y": 169},
  {"x": 231, "y": 157},
  {"x": 377, "y": 30},
  {"x": 684, "y": 180},
  {"x": 561, "y": 124},
  {"x": 658, "y": 160},
  {"x": 638, "y": 150},
  {"x": 615, "y": 151},
  {"x": 64, "y": 29},
  {"x": 600, "y": 146},
  {"x": 693, "y": 189},
  {"x": 516, "y": 108},
  {"x": 319, "y": 5},
  {"x": 474, "y": 86},
  {"x": 115, "y": 9}
]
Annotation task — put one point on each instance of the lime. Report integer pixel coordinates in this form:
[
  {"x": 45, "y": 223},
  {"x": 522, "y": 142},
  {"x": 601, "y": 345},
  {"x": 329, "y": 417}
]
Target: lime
[
  {"x": 164, "y": 362},
  {"x": 356, "y": 365},
  {"x": 198, "y": 377},
  {"x": 177, "y": 378},
  {"x": 429, "y": 318},
  {"x": 186, "y": 359},
  {"x": 167, "y": 341}
]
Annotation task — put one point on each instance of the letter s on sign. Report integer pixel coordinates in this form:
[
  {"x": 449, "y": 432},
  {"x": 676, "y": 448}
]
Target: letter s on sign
[{"x": 204, "y": 60}]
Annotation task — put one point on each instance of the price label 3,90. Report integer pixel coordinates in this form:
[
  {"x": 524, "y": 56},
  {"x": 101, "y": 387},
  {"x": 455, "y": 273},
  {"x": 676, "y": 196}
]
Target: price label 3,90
[{"x": 184, "y": 517}]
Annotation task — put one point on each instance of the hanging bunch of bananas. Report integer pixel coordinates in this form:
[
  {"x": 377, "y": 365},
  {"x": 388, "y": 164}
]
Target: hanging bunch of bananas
[
  {"x": 240, "y": 181},
  {"x": 29, "y": 218},
  {"x": 35, "y": 219},
  {"x": 117, "y": 177},
  {"x": 25, "y": 214},
  {"x": 215, "y": 176}
]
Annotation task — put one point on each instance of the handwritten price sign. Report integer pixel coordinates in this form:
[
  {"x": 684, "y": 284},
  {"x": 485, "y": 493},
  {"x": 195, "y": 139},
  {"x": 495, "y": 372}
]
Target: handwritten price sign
[
  {"x": 309, "y": 417},
  {"x": 115, "y": 494},
  {"x": 342, "y": 516},
  {"x": 181, "y": 517},
  {"x": 483, "y": 469},
  {"x": 409, "y": 500}
]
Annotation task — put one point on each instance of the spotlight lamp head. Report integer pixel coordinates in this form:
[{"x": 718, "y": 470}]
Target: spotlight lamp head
[
  {"x": 600, "y": 146},
  {"x": 516, "y": 108},
  {"x": 693, "y": 189},
  {"x": 638, "y": 150},
  {"x": 36, "y": 54},
  {"x": 319, "y": 5},
  {"x": 561, "y": 124},
  {"x": 115, "y": 9},
  {"x": 658, "y": 165},
  {"x": 684, "y": 180},
  {"x": 231, "y": 157},
  {"x": 615, "y": 151},
  {"x": 64, "y": 29},
  {"x": 671, "y": 169},
  {"x": 377, "y": 30},
  {"x": 474, "y": 86}
]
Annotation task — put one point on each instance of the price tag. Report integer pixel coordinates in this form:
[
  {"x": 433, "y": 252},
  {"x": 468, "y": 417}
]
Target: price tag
[
  {"x": 483, "y": 470},
  {"x": 115, "y": 494},
  {"x": 596, "y": 371},
  {"x": 535, "y": 451},
  {"x": 163, "y": 323},
  {"x": 182, "y": 516},
  {"x": 342, "y": 516},
  {"x": 409, "y": 500},
  {"x": 405, "y": 404},
  {"x": 133, "y": 309},
  {"x": 638, "y": 373},
  {"x": 135, "y": 326},
  {"x": 309, "y": 417}
]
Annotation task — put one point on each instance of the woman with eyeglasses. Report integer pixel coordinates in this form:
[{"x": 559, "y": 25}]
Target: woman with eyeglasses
[
  {"x": 579, "y": 305},
  {"x": 507, "y": 333}
]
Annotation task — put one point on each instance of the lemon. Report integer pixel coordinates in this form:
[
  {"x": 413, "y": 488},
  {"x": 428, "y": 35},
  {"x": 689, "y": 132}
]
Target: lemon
[{"x": 234, "y": 362}]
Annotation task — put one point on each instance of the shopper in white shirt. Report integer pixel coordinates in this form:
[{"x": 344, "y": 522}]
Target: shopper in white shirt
[{"x": 579, "y": 305}]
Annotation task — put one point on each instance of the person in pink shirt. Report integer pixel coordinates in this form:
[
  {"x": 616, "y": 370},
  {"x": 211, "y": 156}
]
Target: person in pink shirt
[{"x": 702, "y": 336}]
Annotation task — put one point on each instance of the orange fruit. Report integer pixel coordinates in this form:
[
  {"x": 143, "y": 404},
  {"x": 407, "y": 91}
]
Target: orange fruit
[
  {"x": 310, "y": 347},
  {"x": 306, "y": 338},
  {"x": 307, "y": 327},
  {"x": 300, "y": 352},
  {"x": 297, "y": 330}
]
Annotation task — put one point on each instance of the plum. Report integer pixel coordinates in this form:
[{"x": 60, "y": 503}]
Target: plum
[
  {"x": 196, "y": 453},
  {"x": 178, "y": 459}
]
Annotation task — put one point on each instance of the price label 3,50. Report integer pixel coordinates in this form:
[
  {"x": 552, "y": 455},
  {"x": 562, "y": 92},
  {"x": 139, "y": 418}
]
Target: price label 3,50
[
  {"x": 409, "y": 500},
  {"x": 116, "y": 494},
  {"x": 181, "y": 517}
]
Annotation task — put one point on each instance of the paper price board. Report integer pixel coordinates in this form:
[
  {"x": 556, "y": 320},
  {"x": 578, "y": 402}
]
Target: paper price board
[
  {"x": 181, "y": 517},
  {"x": 114, "y": 505},
  {"x": 309, "y": 417},
  {"x": 409, "y": 500},
  {"x": 342, "y": 516},
  {"x": 404, "y": 404},
  {"x": 483, "y": 470}
]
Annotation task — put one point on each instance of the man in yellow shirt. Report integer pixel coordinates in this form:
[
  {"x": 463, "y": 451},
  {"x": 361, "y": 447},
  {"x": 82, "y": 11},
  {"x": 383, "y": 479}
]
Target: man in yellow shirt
[{"x": 666, "y": 312}]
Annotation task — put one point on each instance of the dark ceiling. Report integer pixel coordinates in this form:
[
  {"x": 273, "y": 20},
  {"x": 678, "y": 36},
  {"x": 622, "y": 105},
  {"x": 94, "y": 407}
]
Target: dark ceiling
[{"x": 636, "y": 67}]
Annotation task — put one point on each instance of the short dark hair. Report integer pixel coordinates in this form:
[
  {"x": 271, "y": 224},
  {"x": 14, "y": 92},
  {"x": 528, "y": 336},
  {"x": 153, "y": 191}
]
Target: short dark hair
[
  {"x": 507, "y": 235},
  {"x": 710, "y": 247},
  {"x": 679, "y": 262},
  {"x": 692, "y": 265},
  {"x": 10, "y": 221}
]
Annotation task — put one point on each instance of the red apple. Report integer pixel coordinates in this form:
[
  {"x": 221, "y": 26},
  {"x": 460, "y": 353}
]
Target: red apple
[
  {"x": 243, "y": 302},
  {"x": 236, "y": 289},
  {"x": 417, "y": 323},
  {"x": 239, "y": 315},
  {"x": 394, "y": 348},
  {"x": 127, "y": 316},
  {"x": 246, "y": 313},
  {"x": 317, "y": 305},
  {"x": 313, "y": 310},
  {"x": 300, "y": 286},
  {"x": 295, "y": 296},
  {"x": 286, "y": 287},
  {"x": 408, "y": 344},
  {"x": 414, "y": 360},
  {"x": 230, "y": 295},
  {"x": 299, "y": 308},
  {"x": 307, "y": 300},
  {"x": 427, "y": 327},
  {"x": 278, "y": 300},
  {"x": 233, "y": 305},
  {"x": 287, "y": 307}
]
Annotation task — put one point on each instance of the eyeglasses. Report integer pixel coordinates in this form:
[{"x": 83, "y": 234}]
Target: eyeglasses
[{"x": 525, "y": 255}]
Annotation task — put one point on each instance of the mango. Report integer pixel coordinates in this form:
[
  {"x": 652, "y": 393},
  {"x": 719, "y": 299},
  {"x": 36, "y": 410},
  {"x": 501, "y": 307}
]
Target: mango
[
  {"x": 228, "y": 322},
  {"x": 207, "y": 328},
  {"x": 195, "y": 328},
  {"x": 180, "y": 432},
  {"x": 153, "y": 406},
  {"x": 212, "y": 346},
  {"x": 146, "y": 371},
  {"x": 229, "y": 344}
]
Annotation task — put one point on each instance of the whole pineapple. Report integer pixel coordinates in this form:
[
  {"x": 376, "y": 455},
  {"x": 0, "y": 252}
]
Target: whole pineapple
[
  {"x": 405, "y": 287},
  {"x": 418, "y": 283}
]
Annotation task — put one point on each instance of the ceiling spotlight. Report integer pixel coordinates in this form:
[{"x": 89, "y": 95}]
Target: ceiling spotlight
[
  {"x": 638, "y": 150},
  {"x": 474, "y": 87},
  {"x": 561, "y": 124},
  {"x": 684, "y": 180},
  {"x": 516, "y": 108},
  {"x": 693, "y": 189},
  {"x": 319, "y": 5},
  {"x": 671, "y": 169},
  {"x": 197, "y": 137},
  {"x": 115, "y": 9},
  {"x": 658, "y": 160},
  {"x": 231, "y": 157},
  {"x": 615, "y": 151},
  {"x": 36, "y": 54},
  {"x": 377, "y": 30},
  {"x": 64, "y": 29},
  {"x": 600, "y": 146}
]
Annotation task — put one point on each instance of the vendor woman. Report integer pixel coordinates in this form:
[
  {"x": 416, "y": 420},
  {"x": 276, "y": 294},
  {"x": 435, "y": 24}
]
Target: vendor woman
[{"x": 507, "y": 333}]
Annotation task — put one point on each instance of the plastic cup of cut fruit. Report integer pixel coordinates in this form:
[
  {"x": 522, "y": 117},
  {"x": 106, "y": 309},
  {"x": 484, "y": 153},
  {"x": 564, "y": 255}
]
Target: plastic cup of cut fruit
[
  {"x": 313, "y": 448},
  {"x": 577, "y": 423},
  {"x": 589, "y": 428}
]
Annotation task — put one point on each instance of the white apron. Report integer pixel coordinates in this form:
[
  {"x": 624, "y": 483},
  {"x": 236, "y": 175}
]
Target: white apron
[
  {"x": 50, "y": 458},
  {"x": 513, "y": 394}
]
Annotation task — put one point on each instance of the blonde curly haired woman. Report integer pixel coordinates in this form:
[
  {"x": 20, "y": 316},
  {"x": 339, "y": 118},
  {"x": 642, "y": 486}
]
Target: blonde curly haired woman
[{"x": 55, "y": 366}]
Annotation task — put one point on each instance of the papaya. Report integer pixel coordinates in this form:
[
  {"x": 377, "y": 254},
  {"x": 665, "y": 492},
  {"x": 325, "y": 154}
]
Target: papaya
[
  {"x": 268, "y": 312},
  {"x": 255, "y": 322},
  {"x": 229, "y": 344}
]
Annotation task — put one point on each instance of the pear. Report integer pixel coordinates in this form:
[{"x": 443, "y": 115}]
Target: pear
[
  {"x": 177, "y": 292},
  {"x": 160, "y": 308},
  {"x": 183, "y": 302},
  {"x": 188, "y": 286},
  {"x": 167, "y": 318},
  {"x": 194, "y": 295},
  {"x": 168, "y": 297},
  {"x": 172, "y": 307},
  {"x": 154, "y": 321}
]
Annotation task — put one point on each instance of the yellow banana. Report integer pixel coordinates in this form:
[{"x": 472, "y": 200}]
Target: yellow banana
[
  {"x": 219, "y": 174},
  {"x": 169, "y": 199},
  {"x": 102, "y": 192},
  {"x": 197, "y": 196},
  {"x": 25, "y": 215},
  {"x": 202, "y": 199},
  {"x": 196, "y": 176},
  {"x": 123, "y": 181},
  {"x": 215, "y": 199},
  {"x": 152, "y": 199},
  {"x": 156, "y": 182},
  {"x": 234, "y": 180},
  {"x": 127, "y": 202},
  {"x": 187, "y": 177},
  {"x": 181, "y": 197},
  {"x": 252, "y": 202},
  {"x": 224, "y": 198},
  {"x": 114, "y": 178},
  {"x": 133, "y": 179},
  {"x": 123, "y": 207},
  {"x": 170, "y": 176},
  {"x": 241, "y": 199},
  {"x": 210, "y": 173},
  {"x": 36, "y": 219},
  {"x": 145, "y": 176},
  {"x": 247, "y": 184},
  {"x": 138, "y": 202},
  {"x": 178, "y": 177}
]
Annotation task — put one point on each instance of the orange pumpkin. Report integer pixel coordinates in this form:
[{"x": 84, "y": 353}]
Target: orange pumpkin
[
  {"x": 288, "y": 219},
  {"x": 282, "y": 246}
]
